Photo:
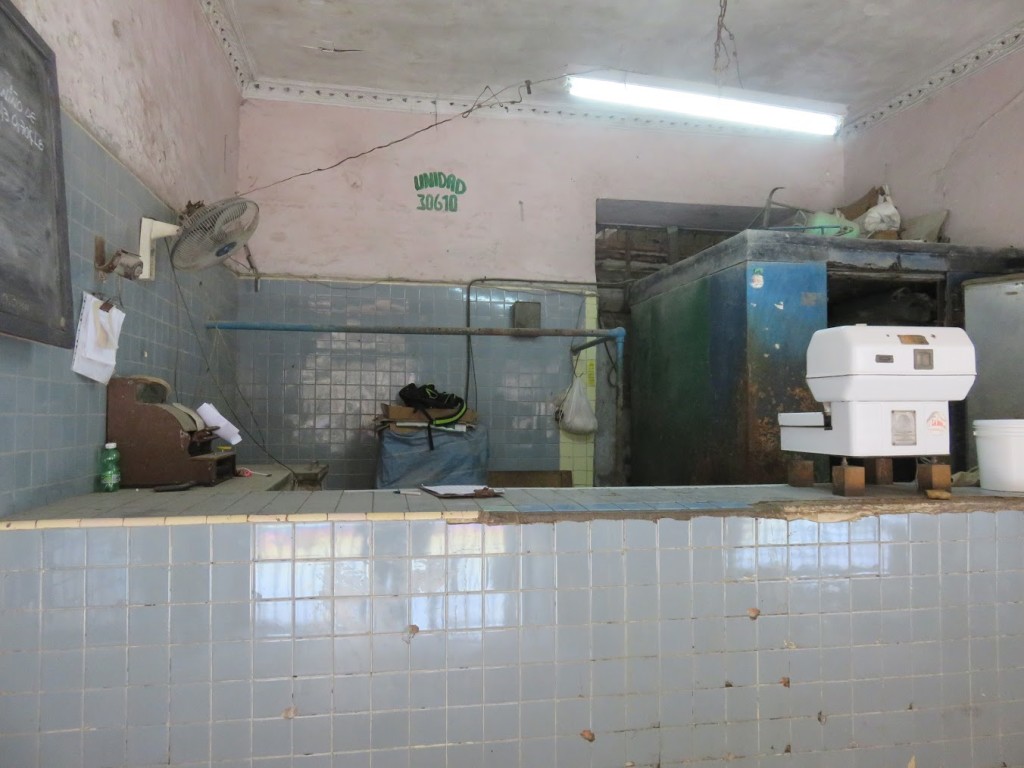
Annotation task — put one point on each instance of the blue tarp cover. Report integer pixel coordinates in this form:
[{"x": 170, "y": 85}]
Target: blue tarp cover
[{"x": 458, "y": 458}]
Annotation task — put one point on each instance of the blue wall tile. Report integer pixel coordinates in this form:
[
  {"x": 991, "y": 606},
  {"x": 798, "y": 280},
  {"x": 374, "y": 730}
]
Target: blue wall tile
[
  {"x": 56, "y": 419},
  {"x": 314, "y": 395}
]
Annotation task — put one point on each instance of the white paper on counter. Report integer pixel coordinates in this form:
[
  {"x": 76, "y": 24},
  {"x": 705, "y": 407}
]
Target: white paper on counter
[
  {"x": 96, "y": 340},
  {"x": 224, "y": 428}
]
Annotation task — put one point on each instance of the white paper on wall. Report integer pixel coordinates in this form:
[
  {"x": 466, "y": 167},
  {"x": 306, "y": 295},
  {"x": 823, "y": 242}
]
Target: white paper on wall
[{"x": 96, "y": 340}]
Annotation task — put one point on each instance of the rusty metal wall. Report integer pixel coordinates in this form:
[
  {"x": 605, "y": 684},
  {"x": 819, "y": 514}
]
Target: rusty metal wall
[
  {"x": 718, "y": 345},
  {"x": 786, "y": 303},
  {"x": 687, "y": 348},
  {"x": 714, "y": 362}
]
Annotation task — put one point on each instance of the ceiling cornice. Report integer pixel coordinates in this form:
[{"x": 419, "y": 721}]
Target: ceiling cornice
[
  {"x": 1010, "y": 41},
  {"x": 529, "y": 106},
  {"x": 253, "y": 87},
  {"x": 220, "y": 21}
]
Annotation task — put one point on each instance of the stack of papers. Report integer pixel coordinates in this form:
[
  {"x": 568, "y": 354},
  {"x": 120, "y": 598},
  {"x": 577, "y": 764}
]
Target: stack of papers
[{"x": 99, "y": 327}]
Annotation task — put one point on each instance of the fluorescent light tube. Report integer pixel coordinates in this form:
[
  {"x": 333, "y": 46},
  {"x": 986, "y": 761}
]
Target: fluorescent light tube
[{"x": 703, "y": 105}]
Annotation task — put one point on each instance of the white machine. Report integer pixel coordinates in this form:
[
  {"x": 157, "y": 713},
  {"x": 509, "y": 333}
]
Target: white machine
[{"x": 885, "y": 391}]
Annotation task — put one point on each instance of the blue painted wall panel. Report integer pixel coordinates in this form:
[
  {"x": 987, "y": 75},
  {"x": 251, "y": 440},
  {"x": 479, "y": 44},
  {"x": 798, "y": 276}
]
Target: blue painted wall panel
[
  {"x": 687, "y": 382},
  {"x": 714, "y": 361},
  {"x": 786, "y": 303}
]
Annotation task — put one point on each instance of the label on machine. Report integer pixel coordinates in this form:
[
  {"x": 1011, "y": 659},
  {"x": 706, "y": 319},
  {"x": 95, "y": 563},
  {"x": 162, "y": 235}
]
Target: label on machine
[{"x": 904, "y": 427}]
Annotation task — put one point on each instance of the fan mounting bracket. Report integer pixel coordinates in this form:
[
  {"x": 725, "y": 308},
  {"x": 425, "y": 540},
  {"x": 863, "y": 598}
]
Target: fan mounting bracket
[{"x": 149, "y": 231}]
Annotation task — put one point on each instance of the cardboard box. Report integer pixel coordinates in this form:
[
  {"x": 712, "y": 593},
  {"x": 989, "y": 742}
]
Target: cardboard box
[
  {"x": 405, "y": 413},
  {"x": 394, "y": 415},
  {"x": 859, "y": 207}
]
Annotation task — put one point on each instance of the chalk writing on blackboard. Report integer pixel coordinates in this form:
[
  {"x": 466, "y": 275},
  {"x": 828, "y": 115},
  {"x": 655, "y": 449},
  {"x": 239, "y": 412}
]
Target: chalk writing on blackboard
[
  {"x": 35, "y": 283},
  {"x": 16, "y": 115}
]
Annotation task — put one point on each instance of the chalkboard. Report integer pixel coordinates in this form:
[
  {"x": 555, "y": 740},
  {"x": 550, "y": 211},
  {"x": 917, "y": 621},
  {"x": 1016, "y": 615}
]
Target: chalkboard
[{"x": 35, "y": 284}]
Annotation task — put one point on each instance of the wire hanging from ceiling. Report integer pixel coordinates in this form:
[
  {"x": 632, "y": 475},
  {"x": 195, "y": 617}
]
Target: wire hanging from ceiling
[
  {"x": 493, "y": 99},
  {"x": 726, "y": 54}
]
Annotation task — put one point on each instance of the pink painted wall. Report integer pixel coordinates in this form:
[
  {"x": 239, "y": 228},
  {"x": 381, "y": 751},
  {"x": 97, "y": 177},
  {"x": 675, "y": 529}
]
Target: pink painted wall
[
  {"x": 150, "y": 81},
  {"x": 531, "y": 186},
  {"x": 960, "y": 150}
]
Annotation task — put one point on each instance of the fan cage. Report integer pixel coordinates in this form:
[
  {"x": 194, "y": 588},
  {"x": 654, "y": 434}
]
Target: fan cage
[{"x": 214, "y": 233}]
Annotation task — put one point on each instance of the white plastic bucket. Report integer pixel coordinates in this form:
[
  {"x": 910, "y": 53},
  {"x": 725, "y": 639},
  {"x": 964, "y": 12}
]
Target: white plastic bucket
[{"x": 1000, "y": 454}]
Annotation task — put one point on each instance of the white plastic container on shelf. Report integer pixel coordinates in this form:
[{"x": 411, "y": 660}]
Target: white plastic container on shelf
[{"x": 1000, "y": 454}]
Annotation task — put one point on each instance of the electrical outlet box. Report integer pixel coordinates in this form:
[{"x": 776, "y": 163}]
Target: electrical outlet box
[{"x": 526, "y": 314}]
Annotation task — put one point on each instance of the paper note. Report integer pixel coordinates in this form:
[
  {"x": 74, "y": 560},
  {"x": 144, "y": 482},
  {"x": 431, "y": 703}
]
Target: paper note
[
  {"x": 224, "y": 428},
  {"x": 96, "y": 341}
]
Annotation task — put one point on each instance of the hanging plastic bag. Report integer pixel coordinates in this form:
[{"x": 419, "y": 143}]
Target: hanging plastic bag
[
  {"x": 884, "y": 216},
  {"x": 574, "y": 413}
]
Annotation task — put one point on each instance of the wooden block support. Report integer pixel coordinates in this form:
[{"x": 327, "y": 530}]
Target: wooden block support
[
  {"x": 878, "y": 471},
  {"x": 934, "y": 477},
  {"x": 800, "y": 473},
  {"x": 847, "y": 481}
]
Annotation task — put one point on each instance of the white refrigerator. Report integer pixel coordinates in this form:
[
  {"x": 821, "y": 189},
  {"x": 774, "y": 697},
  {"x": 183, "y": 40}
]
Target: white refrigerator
[{"x": 994, "y": 320}]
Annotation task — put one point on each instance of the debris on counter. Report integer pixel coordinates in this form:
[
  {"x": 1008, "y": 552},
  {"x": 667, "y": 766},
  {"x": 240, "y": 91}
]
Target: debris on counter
[
  {"x": 926, "y": 228},
  {"x": 246, "y": 472},
  {"x": 969, "y": 478},
  {"x": 873, "y": 215},
  {"x": 827, "y": 224},
  {"x": 882, "y": 218},
  {"x": 879, "y": 218},
  {"x": 861, "y": 205}
]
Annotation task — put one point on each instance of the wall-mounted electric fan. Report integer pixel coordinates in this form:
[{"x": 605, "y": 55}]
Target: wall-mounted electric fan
[{"x": 207, "y": 234}]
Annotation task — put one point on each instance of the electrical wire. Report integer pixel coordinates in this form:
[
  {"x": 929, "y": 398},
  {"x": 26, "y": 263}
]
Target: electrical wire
[
  {"x": 177, "y": 335},
  {"x": 356, "y": 156},
  {"x": 209, "y": 370},
  {"x": 324, "y": 282},
  {"x": 219, "y": 336},
  {"x": 470, "y": 363},
  {"x": 493, "y": 100},
  {"x": 726, "y": 53},
  {"x": 471, "y": 367},
  {"x": 574, "y": 357},
  {"x": 613, "y": 365},
  {"x": 613, "y": 368},
  {"x": 328, "y": 285},
  {"x": 243, "y": 265}
]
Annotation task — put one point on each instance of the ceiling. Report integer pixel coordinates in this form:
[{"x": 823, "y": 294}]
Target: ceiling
[{"x": 872, "y": 56}]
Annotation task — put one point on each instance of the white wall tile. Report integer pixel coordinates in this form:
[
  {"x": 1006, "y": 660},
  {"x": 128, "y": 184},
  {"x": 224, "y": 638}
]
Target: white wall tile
[{"x": 511, "y": 649}]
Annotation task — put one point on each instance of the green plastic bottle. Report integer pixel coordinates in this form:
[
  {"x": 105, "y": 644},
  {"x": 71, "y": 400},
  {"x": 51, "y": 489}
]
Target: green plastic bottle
[{"x": 110, "y": 468}]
